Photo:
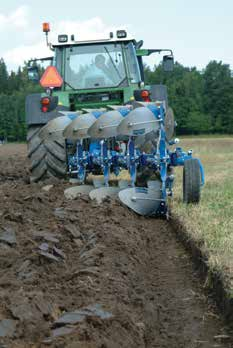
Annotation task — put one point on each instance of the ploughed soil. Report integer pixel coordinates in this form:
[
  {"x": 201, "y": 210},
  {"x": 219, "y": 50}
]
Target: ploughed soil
[{"x": 75, "y": 274}]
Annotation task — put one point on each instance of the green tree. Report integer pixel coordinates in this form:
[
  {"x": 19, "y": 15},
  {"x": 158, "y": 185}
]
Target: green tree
[
  {"x": 218, "y": 96},
  {"x": 3, "y": 77}
]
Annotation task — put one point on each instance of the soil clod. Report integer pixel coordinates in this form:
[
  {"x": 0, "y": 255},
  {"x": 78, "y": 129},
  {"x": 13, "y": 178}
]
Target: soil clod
[{"x": 7, "y": 327}]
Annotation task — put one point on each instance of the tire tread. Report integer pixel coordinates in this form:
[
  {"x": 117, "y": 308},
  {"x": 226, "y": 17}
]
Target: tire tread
[{"x": 191, "y": 181}]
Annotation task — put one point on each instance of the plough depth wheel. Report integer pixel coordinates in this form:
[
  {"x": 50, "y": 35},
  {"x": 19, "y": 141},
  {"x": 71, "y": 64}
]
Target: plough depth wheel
[{"x": 191, "y": 181}]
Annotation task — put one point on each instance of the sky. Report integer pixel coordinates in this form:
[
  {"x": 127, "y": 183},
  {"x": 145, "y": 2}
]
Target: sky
[{"x": 197, "y": 31}]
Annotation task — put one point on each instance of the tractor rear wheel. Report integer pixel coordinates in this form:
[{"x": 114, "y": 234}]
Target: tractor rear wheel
[
  {"x": 36, "y": 154},
  {"x": 48, "y": 158},
  {"x": 56, "y": 158},
  {"x": 191, "y": 181}
]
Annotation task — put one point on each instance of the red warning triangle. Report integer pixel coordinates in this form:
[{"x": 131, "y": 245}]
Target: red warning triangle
[{"x": 51, "y": 78}]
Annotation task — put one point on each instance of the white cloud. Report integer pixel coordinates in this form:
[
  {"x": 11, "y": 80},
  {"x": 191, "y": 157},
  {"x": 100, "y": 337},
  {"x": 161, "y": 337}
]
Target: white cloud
[
  {"x": 93, "y": 28},
  {"x": 18, "y": 19},
  {"x": 16, "y": 56}
]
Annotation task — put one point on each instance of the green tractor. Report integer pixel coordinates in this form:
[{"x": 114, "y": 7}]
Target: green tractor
[
  {"x": 97, "y": 117},
  {"x": 95, "y": 75}
]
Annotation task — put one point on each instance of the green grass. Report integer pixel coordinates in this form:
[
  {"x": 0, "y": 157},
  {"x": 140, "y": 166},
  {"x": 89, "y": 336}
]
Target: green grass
[{"x": 211, "y": 222}]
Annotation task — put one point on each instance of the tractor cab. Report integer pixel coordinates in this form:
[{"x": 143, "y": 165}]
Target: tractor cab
[
  {"x": 101, "y": 65},
  {"x": 97, "y": 73}
]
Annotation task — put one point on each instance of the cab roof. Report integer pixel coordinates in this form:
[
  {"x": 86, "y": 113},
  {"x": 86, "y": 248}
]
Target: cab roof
[{"x": 88, "y": 42}]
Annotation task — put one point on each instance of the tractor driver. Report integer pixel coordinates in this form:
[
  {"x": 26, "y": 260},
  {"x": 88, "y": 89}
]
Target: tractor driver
[
  {"x": 100, "y": 64},
  {"x": 98, "y": 74},
  {"x": 111, "y": 73}
]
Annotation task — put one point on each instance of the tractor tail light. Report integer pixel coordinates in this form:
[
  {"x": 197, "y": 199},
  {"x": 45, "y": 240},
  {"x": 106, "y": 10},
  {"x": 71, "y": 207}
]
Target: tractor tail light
[
  {"x": 117, "y": 147},
  {"x": 145, "y": 94},
  {"x": 45, "y": 104}
]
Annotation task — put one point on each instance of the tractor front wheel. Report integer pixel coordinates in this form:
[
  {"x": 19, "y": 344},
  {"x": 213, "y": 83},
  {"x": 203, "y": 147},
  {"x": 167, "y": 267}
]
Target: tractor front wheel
[{"x": 191, "y": 181}]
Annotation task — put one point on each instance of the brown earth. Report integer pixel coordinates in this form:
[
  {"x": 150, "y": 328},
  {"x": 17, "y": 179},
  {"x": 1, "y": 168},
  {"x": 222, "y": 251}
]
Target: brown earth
[{"x": 59, "y": 256}]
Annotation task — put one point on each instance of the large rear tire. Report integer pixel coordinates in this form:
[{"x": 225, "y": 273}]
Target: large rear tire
[
  {"x": 56, "y": 158},
  {"x": 36, "y": 154},
  {"x": 48, "y": 158},
  {"x": 191, "y": 181}
]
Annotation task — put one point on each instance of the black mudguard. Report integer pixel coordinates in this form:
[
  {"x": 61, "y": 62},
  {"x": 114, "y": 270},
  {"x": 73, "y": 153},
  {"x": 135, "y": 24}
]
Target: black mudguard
[
  {"x": 34, "y": 115},
  {"x": 157, "y": 92}
]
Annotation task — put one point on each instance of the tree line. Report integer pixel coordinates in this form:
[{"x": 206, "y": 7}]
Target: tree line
[
  {"x": 202, "y": 101},
  {"x": 14, "y": 87}
]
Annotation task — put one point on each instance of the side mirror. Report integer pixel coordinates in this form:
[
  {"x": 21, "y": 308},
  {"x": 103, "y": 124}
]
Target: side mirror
[
  {"x": 168, "y": 63},
  {"x": 33, "y": 73},
  {"x": 139, "y": 44}
]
